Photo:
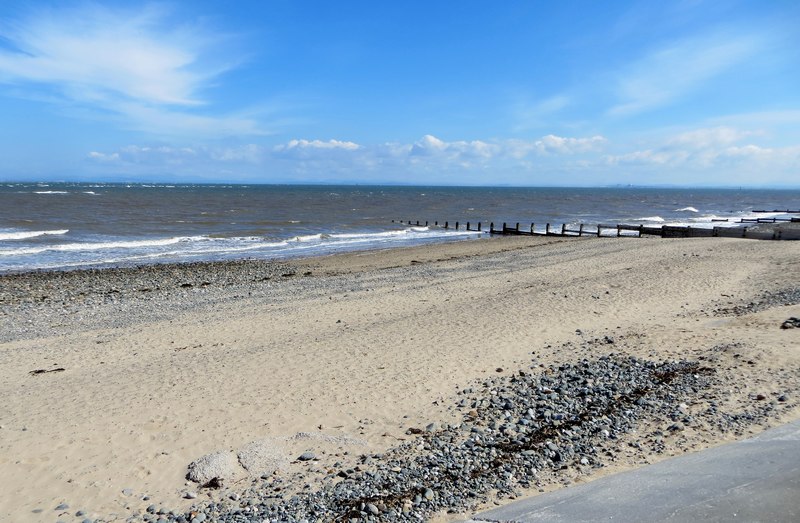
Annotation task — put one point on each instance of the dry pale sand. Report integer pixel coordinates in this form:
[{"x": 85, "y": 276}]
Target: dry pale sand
[{"x": 367, "y": 346}]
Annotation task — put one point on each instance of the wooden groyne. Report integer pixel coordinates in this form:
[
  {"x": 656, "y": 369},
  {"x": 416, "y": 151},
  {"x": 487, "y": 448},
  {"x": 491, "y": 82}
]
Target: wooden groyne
[{"x": 624, "y": 230}]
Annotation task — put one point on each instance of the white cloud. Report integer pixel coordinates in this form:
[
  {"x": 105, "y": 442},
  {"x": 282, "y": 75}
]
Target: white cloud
[
  {"x": 102, "y": 157},
  {"x": 554, "y": 145},
  {"x": 430, "y": 146},
  {"x": 317, "y": 144},
  {"x": 133, "y": 64},
  {"x": 179, "y": 156},
  {"x": 425, "y": 154},
  {"x": 716, "y": 155},
  {"x": 707, "y": 138},
  {"x": 250, "y": 153},
  {"x": 711, "y": 149},
  {"x": 676, "y": 70}
]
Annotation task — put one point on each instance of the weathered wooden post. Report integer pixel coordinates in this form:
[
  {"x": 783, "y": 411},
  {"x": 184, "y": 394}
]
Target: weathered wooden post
[
  {"x": 504, "y": 229},
  {"x": 436, "y": 223},
  {"x": 580, "y": 230},
  {"x": 456, "y": 225},
  {"x": 491, "y": 228},
  {"x": 563, "y": 229},
  {"x": 531, "y": 229},
  {"x": 479, "y": 226},
  {"x": 619, "y": 231},
  {"x": 445, "y": 225},
  {"x": 417, "y": 223},
  {"x": 517, "y": 227},
  {"x": 467, "y": 225},
  {"x": 426, "y": 223},
  {"x": 547, "y": 229},
  {"x": 641, "y": 227}
]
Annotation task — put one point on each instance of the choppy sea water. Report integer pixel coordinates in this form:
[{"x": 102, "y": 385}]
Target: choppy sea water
[{"x": 70, "y": 225}]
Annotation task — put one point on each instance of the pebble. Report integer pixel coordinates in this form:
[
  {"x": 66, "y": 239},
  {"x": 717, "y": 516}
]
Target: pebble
[
  {"x": 307, "y": 456},
  {"x": 62, "y": 506}
]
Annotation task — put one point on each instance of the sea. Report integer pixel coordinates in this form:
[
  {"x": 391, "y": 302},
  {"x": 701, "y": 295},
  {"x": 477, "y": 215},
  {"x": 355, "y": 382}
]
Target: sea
[{"x": 58, "y": 226}]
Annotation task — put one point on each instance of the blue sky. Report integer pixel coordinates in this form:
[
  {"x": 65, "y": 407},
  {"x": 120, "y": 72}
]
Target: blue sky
[{"x": 469, "y": 92}]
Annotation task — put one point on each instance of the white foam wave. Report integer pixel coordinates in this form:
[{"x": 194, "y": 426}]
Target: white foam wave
[
  {"x": 687, "y": 209},
  {"x": 24, "y": 235},
  {"x": 117, "y": 252},
  {"x": 78, "y": 247},
  {"x": 50, "y": 192},
  {"x": 657, "y": 219},
  {"x": 309, "y": 238}
]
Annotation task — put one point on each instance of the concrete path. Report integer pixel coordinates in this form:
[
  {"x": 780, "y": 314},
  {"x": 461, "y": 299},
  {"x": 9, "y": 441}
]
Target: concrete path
[{"x": 752, "y": 480}]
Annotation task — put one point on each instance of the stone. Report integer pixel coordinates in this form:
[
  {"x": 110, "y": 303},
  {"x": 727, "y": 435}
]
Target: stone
[
  {"x": 791, "y": 323},
  {"x": 307, "y": 456},
  {"x": 372, "y": 509},
  {"x": 190, "y": 495},
  {"x": 222, "y": 465},
  {"x": 62, "y": 506},
  {"x": 262, "y": 458}
]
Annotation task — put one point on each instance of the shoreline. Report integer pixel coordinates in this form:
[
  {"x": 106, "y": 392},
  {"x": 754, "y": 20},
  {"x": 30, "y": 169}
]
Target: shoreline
[{"x": 365, "y": 347}]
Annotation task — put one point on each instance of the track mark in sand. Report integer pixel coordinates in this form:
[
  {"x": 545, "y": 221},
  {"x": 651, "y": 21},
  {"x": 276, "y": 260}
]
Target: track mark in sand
[{"x": 45, "y": 371}]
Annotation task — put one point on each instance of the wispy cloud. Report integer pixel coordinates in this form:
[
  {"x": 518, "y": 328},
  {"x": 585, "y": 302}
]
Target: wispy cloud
[
  {"x": 133, "y": 64},
  {"x": 536, "y": 114},
  {"x": 672, "y": 71}
]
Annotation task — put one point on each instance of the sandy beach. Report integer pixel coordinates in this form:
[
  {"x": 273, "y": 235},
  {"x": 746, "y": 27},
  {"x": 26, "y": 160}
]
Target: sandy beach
[{"x": 114, "y": 381}]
